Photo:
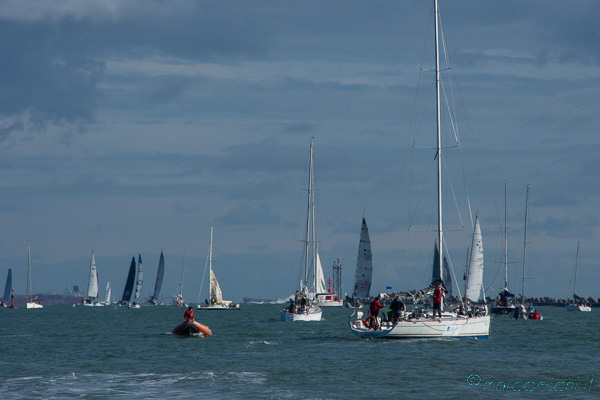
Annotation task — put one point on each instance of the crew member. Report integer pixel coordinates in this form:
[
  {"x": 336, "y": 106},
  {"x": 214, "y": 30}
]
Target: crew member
[{"x": 189, "y": 314}]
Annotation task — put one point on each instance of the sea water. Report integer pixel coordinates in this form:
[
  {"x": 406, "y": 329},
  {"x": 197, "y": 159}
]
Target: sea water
[{"x": 65, "y": 352}]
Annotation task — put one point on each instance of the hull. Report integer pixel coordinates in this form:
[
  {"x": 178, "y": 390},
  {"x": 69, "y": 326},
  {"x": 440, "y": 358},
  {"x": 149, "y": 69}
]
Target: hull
[
  {"x": 219, "y": 307},
  {"x": 449, "y": 326},
  {"x": 330, "y": 303},
  {"x": 577, "y": 307},
  {"x": 314, "y": 314},
  {"x": 499, "y": 310},
  {"x": 192, "y": 328},
  {"x": 34, "y": 305}
]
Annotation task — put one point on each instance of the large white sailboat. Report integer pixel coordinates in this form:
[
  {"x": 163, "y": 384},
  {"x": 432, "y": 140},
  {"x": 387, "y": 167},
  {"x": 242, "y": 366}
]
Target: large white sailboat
[
  {"x": 303, "y": 306},
  {"x": 32, "y": 302},
  {"x": 216, "y": 295},
  {"x": 92, "y": 290},
  {"x": 462, "y": 322},
  {"x": 577, "y": 304}
]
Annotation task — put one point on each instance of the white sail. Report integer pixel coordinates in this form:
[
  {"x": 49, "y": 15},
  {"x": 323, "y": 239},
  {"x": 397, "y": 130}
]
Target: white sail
[
  {"x": 92, "y": 291},
  {"x": 364, "y": 264},
  {"x": 320, "y": 286},
  {"x": 215, "y": 289},
  {"x": 139, "y": 281},
  {"x": 108, "y": 294},
  {"x": 475, "y": 275}
]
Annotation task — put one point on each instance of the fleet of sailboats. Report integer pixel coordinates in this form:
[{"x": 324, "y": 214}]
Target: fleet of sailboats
[
  {"x": 216, "y": 295},
  {"x": 303, "y": 306}
]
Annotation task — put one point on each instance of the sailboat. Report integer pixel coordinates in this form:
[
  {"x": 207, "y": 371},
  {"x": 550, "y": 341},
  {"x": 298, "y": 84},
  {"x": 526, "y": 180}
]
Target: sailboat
[
  {"x": 473, "y": 322},
  {"x": 92, "y": 290},
  {"x": 32, "y": 302},
  {"x": 138, "y": 284},
  {"x": 577, "y": 303},
  {"x": 179, "y": 296},
  {"x": 332, "y": 298},
  {"x": 303, "y": 306},
  {"x": 159, "y": 279},
  {"x": 107, "y": 296},
  {"x": 9, "y": 292},
  {"x": 215, "y": 293},
  {"x": 128, "y": 284},
  {"x": 364, "y": 269},
  {"x": 505, "y": 303}
]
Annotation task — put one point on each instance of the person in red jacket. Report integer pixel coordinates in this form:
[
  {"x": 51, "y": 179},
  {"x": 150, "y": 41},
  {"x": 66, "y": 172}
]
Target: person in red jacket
[
  {"x": 375, "y": 307},
  {"x": 438, "y": 296},
  {"x": 189, "y": 314}
]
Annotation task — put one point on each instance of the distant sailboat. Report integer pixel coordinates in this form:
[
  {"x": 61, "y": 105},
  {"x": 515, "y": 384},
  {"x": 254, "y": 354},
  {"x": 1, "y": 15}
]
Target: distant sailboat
[
  {"x": 303, "y": 307},
  {"x": 92, "y": 290},
  {"x": 332, "y": 297},
  {"x": 128, "y": 284},
  {"x": 577, "y": 303},
  {"x": 179, "y": 302},
  {"x": 138, "y": 284},
  {"x": 159, "y": 279},
  {"x": 107, "y": 298},
  {"x": 7, "y": 289},
  {"x": 32, "y": 302},
  {"x": 216, "y": 295}
]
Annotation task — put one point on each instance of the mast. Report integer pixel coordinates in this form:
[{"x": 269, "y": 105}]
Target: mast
[
  {"x": 439, "y": 141},
  {"x": 575, "y": 277},
  {"x": 29, "y": 291},
  {"x": 310, "y": 206},
  {"x": 525, "y": 246},
  {"x": 182, "y": 271},
  {"x": 505, "y": 244}
]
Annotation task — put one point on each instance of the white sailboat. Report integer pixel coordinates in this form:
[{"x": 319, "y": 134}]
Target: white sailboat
[
  {"x": 303, "y": 306},
  {"x": 107, "y": 297},
  {"x": 92, "y": 290},
  {"x": 215, "y": 293},
  {"x": 332, "y": 297},
  {"x": 138, "y": 284},
  {"x": 577, "y": 303},
  {"x": 420, "y": 324},
  {"x": 178, "y": 300},
  {"x": 32, "y": 302}
]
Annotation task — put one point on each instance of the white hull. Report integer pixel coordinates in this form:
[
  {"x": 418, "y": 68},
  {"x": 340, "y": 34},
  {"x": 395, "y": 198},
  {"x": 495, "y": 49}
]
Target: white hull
[
  {"x": 219, "y": 307},
  {"x": 314, "y": 314},
  {"x": 34, "y": 305},
  {"x": 576, "y": 307},
  {"x": 450, "y": 326},
  {"x": 330, "y": 303}
]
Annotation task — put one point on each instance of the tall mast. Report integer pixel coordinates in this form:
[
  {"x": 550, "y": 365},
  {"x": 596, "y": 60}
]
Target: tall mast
[
  {"x": 310, "y": 206},
  {"x": 210, "y": 253},
  {"x": 182, "y": 272},
  {"x": 29, "y": 269},
  {"x": 439, "y": 142},
  {"x": 525, "y": 246},
  {"x": 505, "y": 244}
]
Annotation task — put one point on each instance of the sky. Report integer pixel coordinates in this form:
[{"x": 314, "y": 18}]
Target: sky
[{"x": 133, "y": 127}]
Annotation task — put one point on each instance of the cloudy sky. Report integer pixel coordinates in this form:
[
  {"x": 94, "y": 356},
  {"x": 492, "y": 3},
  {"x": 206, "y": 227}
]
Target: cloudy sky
[{"x": 132, "y": 127}]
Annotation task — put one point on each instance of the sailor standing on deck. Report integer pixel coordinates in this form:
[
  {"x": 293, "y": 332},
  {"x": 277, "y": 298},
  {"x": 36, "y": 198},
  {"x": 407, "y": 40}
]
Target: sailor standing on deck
[{"x": 438, "y": 295}]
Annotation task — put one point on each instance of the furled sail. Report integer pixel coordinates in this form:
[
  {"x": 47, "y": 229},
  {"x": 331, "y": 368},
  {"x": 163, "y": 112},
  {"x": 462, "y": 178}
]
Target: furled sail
[
  {"x": 475, "y": 274},
  {"x": 364, "y": 264}
]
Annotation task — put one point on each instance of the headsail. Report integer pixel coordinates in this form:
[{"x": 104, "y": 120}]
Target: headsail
[
  {"x": 475, "y": 274},
  {"x": 8, "y": 287},
  {"x": 139, "y": 281},
  {"x": 215, "y": 289},
  {"x": 159, "y": 279},
  {"x": 320, "y": 286},
  {"x": 130, "y": 282},
  {"x": 364, "y": 264},
  {"x": 92, "y": 291}
]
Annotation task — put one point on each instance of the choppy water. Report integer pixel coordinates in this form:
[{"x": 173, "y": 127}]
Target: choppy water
[{"x": 64, "y": 352}]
